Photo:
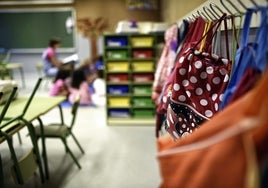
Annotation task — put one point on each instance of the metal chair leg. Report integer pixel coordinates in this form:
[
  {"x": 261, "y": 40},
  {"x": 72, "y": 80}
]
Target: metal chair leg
[
  {"x": 36, "y": 149},
  {"x": 19, "y": 137},
  {"x": 78, "y": 144},
  {"x": 15, "y": 160},
  {"x": 44, "y": 150},
  {"x": 2, "y": 182},
  {"x": 71, "y": 153}
]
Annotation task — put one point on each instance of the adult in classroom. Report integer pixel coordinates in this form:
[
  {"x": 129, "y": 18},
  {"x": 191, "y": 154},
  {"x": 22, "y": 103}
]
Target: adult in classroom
[{"x": 51, "y": 63}]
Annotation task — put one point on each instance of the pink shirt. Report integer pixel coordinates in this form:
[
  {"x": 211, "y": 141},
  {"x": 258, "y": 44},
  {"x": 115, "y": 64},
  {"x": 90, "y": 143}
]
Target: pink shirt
[
  {"x": 48, "y": 53},
  {"x": 57, "y": 87},
  {"x": 85, "y": 96}
]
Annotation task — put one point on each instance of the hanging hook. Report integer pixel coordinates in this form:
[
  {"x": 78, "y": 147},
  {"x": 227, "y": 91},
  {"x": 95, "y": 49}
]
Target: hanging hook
[
  {"x": 190, "y": 18},
  {"x": 242, "y": 4},
  {"x": 194, "y": 16},
  {"x": 211, "y": 12},
  {"x": 228, "y": 10},
  {"x": 240, "y": 12},
  {"x": 214, "y": 5},
  {"x": 254, "y": 3},
  {"x": 202, "y": 15},
  {"x": 205, "y": 10}
]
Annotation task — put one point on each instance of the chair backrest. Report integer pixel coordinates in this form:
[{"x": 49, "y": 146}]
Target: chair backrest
[
  {"x": 1, "y": 94},
  {"x": 2, "y": 182},
  {"x": 7, "y": 57},
  {"x": 10, "y": 98},
  {"x": 39, "y": 68},
  {"x": 1, "y": 118},
  {"x": 27, "y": 165},
  {"x": 31, "y": 96},
  {"x": 74, "y": 110},
  {"x": 10, "y": 120}
]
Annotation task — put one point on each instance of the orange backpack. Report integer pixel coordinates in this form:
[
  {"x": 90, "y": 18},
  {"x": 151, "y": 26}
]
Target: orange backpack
[{"x": 225, "y": 151}]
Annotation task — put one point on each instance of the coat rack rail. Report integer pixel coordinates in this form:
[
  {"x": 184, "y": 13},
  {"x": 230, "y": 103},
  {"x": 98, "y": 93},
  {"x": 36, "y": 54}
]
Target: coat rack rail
[{"x": 213, "y": 9}]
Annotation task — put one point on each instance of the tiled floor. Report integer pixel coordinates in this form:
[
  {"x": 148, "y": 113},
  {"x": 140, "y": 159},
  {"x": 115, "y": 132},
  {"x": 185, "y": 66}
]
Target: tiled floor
[{"x": 116, "y": 156}]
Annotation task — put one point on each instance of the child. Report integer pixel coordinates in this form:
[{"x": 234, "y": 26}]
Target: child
[
  {"x": 79, "y": 85},
  {"x": 60, "y": 84},
  {"x": 98, "y": 85},
  {"x": 51, "y": 63}
]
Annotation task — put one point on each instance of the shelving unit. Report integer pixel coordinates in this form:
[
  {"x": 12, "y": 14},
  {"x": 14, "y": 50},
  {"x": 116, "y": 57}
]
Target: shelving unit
[{"x": 130, "y": 61}]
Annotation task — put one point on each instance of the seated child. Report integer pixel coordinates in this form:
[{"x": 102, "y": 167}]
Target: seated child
[
  {"x": 60, "y": 83},
  {"x": 98, "y": 86},
  {"x": 79, "y": 85}
]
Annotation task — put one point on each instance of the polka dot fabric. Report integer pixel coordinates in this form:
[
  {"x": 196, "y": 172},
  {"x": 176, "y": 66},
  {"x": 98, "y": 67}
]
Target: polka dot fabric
[{"x": 197, "y": 91}]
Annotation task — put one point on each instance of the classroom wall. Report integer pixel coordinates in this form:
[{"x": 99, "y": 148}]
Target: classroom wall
[
  {"x": 114, "y": 10},
  {"x": 173, "y": 10}
]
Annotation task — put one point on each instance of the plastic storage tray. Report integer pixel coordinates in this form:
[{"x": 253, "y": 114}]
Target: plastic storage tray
[
  {"x": 118, "y": 78},
  {"x": 118, "y": 66},
  {"x": 143, "y": 113},
  {"x": 142, "y": 102},
  {"x": 142, "y": 54},
  {"x": 142, "y": 90},
  {"x": 119, "y": 101},
  {"x": 118, "y": 89},
  {"x": 142, "y": 66},
  {"x": 142, "y": 41},
  {"x": 143, "y": 77},
  {"x": 116, "y": 41},
  {"x": 117, "y": 54},
  {"x": 119, "y": 113}
]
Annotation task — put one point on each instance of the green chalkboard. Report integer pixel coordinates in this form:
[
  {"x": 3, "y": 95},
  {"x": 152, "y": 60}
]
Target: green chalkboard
[{"x": 32, "y": 29}]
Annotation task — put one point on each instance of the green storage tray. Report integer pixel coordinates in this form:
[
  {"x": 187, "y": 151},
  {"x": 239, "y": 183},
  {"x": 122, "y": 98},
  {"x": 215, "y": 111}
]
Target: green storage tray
[
  {"x": 117, "y": 54},
  {"x": 143, "y": 113},
  {"x": 140, "y": 89},
  {"x": 142, "y": 102}
]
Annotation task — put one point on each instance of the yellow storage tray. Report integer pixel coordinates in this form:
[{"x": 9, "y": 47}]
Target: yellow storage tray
[
  {"x": 119, "y": 102},
  {"x": 143, "y": 66},
  {"x": 117, "y": 66},
  {"x": 142, "y": 41}
]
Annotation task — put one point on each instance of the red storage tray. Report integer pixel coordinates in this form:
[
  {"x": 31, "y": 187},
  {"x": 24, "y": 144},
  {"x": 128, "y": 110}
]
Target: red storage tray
[
  {"x": 118, "y": 77},
  {"x": 142, "y": 54},
  {"x": 143, "y": 77}
]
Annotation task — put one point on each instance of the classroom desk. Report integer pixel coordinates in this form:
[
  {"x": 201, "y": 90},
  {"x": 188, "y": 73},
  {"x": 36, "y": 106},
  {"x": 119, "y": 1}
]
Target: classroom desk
[{"x": 38, "y": 107}]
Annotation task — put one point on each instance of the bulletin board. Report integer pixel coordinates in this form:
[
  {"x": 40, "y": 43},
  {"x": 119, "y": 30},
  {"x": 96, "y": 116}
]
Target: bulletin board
[{"x": 29, "y": 30}]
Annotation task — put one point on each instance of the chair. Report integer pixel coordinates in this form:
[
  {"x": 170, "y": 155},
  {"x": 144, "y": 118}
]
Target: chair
[
  {"x": 27, "y": 165},
  {"x": 6, "y": 87},
  {"x": 7, "y": 68},
  {"x": 63, "y": 131},
  {"x": 2, "y": 183},
  {"x": 47, "y": 79},
  {"x": 18, "y": 168}
]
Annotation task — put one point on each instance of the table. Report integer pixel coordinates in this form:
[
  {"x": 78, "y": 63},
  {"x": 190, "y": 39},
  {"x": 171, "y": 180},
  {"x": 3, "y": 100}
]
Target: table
[{"x": 38, "y": 107}]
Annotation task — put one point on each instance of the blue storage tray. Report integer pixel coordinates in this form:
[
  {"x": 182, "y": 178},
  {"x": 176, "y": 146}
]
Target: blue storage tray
[
  {"x": 118, "y": 89},
  {"x": 119, "y": 113},
  {"x": 116, "y": 41}
]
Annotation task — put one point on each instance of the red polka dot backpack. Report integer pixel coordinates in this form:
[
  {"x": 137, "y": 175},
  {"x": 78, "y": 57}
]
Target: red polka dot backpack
[{"x": 198, "y": 87}]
